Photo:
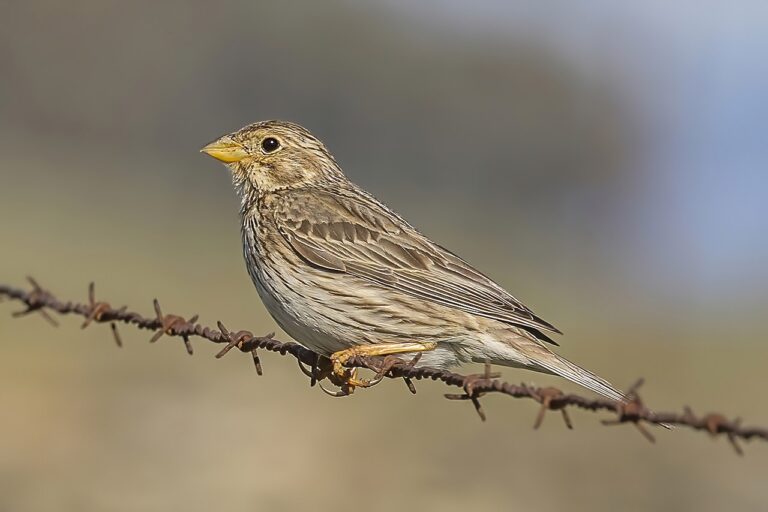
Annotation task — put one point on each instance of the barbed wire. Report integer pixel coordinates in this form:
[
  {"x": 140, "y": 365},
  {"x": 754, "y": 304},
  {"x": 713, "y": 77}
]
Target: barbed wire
[{"x": 474, "y": 386}]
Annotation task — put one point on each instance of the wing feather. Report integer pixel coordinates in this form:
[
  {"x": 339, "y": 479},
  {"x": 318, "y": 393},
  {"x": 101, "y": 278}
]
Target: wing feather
[{"x": 353, "y": 233}]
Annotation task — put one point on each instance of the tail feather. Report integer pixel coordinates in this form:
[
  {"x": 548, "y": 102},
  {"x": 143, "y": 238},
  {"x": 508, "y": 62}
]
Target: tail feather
[
  {"x": 533, "y": 355},
  {"x": 564, "y": 368}
]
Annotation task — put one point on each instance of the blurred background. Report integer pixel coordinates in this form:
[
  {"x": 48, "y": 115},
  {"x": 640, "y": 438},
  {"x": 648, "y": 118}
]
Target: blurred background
[{"x": 605, "y": 162}]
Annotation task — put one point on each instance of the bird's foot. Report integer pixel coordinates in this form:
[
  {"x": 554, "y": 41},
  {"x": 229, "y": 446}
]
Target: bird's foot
[
  {"x": 344, "y": 378},
  {"x": 347, "y": 379}
]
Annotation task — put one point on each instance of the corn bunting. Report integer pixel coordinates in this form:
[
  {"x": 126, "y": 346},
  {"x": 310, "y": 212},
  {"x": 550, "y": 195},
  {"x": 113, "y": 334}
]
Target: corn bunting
[{"x": 344, "y": 275}]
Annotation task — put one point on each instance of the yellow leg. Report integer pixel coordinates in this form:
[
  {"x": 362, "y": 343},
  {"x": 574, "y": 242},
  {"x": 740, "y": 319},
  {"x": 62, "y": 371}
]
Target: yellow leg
[{"x": 350, "y": 379}]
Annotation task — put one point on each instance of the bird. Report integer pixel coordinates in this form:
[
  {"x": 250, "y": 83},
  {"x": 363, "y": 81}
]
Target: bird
[{"x": 345, "y": 276}]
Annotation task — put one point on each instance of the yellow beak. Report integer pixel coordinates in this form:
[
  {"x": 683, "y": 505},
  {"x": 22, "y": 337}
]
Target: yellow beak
[{"x": 225, "y": 150}]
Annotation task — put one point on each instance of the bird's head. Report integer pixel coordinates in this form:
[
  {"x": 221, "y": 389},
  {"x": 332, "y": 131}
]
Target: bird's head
[{"x": 273, "y": 155}]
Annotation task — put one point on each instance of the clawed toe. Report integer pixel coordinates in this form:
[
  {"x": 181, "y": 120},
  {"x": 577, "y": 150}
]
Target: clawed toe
[
  {"x": 346, "y": 378},
  {"x": 343, "y": 391}
]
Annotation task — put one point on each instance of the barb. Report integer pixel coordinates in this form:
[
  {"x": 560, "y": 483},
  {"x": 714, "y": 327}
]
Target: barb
[{"x": 633, "y": 411}]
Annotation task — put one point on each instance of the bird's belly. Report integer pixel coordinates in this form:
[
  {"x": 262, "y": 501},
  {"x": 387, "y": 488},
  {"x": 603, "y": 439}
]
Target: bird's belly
[
  {"x": 331, "y": 312},
  {"x": 296, "y": 316},
  {"x": 328, "y": 335}
]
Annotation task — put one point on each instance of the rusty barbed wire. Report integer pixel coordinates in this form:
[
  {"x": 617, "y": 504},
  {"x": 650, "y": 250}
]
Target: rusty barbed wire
[{"x": 474, "y": 386}]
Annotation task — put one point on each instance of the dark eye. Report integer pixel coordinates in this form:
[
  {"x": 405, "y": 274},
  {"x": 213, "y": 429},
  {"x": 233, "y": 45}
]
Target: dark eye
[{"x": 270, "y": 144}]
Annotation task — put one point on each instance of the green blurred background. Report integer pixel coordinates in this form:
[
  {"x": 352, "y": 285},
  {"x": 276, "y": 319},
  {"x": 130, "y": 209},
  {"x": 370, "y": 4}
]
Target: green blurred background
[{"x": 605, "y": 162}]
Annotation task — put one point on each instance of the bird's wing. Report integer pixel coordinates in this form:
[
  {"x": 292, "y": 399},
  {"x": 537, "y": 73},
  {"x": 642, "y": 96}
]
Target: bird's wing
[{"x": 352, "y": 233}]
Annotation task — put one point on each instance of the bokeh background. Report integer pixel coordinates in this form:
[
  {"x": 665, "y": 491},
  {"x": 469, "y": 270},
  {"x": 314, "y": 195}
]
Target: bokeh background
[{"x": 604, "y": 161}]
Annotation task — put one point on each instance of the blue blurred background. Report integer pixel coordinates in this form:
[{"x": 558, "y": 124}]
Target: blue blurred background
[{"x": 604, "y": 161}]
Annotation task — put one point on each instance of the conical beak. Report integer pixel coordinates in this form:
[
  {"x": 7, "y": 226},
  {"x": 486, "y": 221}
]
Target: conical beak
[{"x": 226, "y": 150}]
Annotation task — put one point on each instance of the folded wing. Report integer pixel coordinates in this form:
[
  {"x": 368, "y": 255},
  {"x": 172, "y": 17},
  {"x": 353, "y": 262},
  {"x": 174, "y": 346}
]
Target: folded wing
[{"x": 356, "y": 235}]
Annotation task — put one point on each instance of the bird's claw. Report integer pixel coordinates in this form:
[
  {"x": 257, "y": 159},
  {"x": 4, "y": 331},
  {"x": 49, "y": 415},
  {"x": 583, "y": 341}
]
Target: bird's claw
[{"x": 346, "y": 379}]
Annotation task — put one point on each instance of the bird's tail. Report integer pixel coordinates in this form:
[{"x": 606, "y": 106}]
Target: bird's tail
[
  {"x": 560, "y": 366},
  {"x": 542, "y": 359},
  {"x": 575, "y": 373}
]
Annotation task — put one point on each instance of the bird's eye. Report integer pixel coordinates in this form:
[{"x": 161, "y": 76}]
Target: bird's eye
[{"x": 270, "y": 145}]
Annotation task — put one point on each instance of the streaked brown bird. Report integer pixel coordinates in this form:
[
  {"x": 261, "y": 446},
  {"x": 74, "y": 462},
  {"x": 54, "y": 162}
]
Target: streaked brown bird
[{"x": 344, "y": 275}]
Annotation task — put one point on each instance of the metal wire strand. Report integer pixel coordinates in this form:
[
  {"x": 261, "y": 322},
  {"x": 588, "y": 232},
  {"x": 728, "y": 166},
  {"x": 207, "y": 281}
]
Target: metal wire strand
[{"x": 633, "y": 411}]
